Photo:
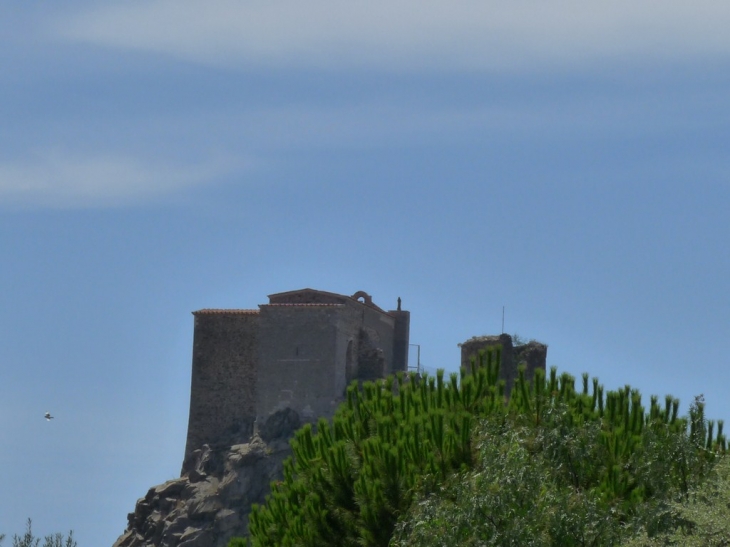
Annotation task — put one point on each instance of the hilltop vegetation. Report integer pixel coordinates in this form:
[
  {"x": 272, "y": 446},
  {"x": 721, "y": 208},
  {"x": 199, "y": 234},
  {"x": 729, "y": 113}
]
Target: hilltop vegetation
[
  {"x": 28, "y": 539},
  {"x": 438, "y": 461}
]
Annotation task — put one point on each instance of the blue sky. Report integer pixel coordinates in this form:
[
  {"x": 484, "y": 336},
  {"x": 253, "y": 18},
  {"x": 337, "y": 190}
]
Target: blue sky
[{"x": 566, "y": 160}]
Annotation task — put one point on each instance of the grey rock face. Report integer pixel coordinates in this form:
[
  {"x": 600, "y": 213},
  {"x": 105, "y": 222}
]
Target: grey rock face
[{"x": 211, "y": 502}]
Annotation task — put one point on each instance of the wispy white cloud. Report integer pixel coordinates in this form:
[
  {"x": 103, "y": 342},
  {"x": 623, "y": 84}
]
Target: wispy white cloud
[
  {"x": 60, "y": 180},
  {"x": 379, "y": 123},
  {"x": 463, "y": 34}
]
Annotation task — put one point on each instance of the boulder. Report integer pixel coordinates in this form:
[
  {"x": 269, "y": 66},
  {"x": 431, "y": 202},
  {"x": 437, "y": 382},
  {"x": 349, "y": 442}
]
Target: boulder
[{"x": 210, "y": 503}]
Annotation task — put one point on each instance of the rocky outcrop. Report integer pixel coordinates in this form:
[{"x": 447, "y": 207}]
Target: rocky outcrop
[{"x": 211, "y": 501}]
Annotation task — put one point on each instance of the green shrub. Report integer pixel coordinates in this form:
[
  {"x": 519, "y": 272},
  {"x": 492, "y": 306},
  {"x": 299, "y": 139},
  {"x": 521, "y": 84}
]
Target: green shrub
[
  {"x": 437, "y": 461},
  {"x": 29, "y": 540}
]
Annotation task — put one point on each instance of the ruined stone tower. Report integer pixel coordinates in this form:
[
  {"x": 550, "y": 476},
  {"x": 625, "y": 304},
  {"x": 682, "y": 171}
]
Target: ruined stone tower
[
  {"x": 533, "y": 354},
  {"x": 298, "y": 352}
]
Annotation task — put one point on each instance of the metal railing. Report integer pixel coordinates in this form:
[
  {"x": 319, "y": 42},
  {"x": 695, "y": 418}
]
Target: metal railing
[{"x": 417, "y": 368}]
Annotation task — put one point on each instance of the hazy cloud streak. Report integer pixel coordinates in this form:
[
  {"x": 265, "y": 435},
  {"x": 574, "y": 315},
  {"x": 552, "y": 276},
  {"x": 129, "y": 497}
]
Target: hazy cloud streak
[
  {"x": 461, "y": 34},
  {"x": 56, "y": 179}
]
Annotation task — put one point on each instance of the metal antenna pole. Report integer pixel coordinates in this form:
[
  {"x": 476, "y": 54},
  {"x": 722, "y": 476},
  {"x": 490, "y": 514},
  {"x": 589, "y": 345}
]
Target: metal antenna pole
[
  {"x": 502, "y": 319},
  {"x": 418, "y": 361}
]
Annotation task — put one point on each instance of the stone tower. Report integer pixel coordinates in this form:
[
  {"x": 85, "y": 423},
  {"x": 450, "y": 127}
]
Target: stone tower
[
  {"x": 533, "y": 355},
  {"x": 296, "y": 353}
]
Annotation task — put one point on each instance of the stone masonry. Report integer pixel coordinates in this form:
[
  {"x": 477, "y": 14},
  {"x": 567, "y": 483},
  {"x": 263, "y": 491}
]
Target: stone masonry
[
  {"x": 257, "y": 376},
  {"x": 533, "y": 354},
  {"x": 299, "y": 351}
]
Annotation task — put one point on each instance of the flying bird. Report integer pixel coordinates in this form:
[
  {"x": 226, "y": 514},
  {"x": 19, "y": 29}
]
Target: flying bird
[{"x": 48, "y": 416}]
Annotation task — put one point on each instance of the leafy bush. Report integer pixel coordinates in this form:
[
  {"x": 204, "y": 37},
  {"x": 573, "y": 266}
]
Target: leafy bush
[
  {"x": 551, "y": 485},
  {"x": 53, "y": 540},
  {"x": 514, "y": 496},
  {"x": 429, "y": 461},
  {"x": 702, "y": 519}
]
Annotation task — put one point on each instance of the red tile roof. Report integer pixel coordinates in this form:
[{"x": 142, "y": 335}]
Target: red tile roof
[
  {"x": 305, "y": 304},
  {"x": 209, "y": 311}
]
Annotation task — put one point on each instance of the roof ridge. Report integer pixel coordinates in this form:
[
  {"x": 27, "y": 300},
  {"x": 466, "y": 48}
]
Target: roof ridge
[{"x": 222, "y": 311}]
